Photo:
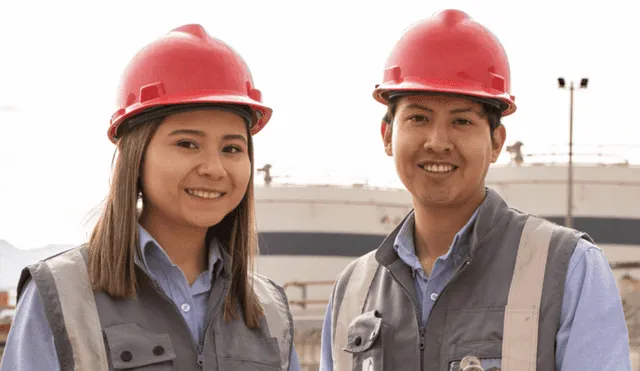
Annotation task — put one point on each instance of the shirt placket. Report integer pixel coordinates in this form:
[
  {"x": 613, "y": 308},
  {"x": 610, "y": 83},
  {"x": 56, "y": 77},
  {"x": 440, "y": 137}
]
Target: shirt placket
[
  {"x": 185, "y": 303},
  {"x": 433, "y": 285}
]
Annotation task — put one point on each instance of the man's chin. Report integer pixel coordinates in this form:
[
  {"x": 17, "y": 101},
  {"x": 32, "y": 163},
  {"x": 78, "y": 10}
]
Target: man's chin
[{"x": 436, "y": 198}]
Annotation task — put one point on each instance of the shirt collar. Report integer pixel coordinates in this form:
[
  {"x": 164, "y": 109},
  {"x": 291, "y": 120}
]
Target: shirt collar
[
  {"x": 404, "y": 243},
  {"x": 151, "y": 249}
]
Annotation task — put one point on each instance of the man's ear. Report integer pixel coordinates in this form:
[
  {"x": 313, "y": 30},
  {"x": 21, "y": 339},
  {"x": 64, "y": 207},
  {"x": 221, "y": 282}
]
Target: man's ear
[
  {"x": 497, "y": 142},
  {"x": 385, "y": 130}
]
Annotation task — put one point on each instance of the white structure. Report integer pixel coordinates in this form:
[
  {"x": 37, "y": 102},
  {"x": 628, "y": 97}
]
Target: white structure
[{"x": 311, "y": 232}]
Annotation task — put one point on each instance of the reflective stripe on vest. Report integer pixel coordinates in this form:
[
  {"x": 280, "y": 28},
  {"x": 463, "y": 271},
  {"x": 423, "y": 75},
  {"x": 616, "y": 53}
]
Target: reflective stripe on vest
[
  {"x": 82, "y": 321},
  {"x": 356, "y": 294},
  {"x": 275, "y": 311},
  {"x": 78, "y": 306},
  {"x": 522, "y": 313},
  {"x": 521, "y": 317}
]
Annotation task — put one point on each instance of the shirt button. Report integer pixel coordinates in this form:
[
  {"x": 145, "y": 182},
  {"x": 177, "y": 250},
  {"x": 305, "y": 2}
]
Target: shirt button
[
  {"x": 434, "y": 296},
  {"x": 185, "y": 307}
]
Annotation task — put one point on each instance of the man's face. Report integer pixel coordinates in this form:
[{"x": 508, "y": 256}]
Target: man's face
[{"x": 442, "y": 148}]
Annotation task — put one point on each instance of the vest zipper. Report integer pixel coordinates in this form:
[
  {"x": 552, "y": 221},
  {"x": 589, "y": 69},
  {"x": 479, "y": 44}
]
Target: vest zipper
[
  {"x": 206, "y": 326},
  {"x": 418, "y": 319},
  {"x": 458, "y": 273},
  {"x": 199, "y": 348},
  {"x": 419, "y": 316},
  {"x": 162, "y": 293},
  {"x": 423, "y": 345}
]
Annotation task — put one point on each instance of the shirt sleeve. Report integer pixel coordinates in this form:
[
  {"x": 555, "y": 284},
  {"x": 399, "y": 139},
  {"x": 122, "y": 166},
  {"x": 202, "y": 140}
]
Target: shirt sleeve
[
  {"x": 294, "y": 362},
  {"x": 30, "y": 345},
  {"x": 593, "y": 333},
  {"x": 326, "y": 357}
]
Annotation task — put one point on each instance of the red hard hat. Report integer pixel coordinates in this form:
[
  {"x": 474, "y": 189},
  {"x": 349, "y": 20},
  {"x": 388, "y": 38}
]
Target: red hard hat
[
  {"x": 187, "y": 66},
  {"x": 449, "y": 53}
]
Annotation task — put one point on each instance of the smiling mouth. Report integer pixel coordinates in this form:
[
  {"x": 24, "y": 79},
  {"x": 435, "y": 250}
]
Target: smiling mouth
[
  {"x": 438, "y": 168},
  {"x": 207, "y": 195}
]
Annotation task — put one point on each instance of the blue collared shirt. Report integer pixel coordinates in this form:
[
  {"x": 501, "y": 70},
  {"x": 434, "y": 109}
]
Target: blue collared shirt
[
  {"x": 30, "y": 344},
  {"x": 593, "y": 333}
]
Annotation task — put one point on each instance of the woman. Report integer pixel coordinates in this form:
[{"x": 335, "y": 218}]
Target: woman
[{"x": 165, "y": 281}]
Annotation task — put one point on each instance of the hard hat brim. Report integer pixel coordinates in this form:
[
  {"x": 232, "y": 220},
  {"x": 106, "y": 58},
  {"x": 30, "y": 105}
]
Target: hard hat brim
[
  {"x": 381, "y": 93},
  {"x": 262, "y": 113}
]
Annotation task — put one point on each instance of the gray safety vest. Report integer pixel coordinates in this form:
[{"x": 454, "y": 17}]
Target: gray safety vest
[
  {"x": 505, "y": 301},
  {"x": 92, "y": 331}
]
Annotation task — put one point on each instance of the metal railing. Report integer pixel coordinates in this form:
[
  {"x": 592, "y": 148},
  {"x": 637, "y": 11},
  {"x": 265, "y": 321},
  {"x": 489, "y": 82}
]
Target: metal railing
[
  {"x": 294, "y": 174},
  {"x": 4, "y": 332},
  {"x": 303, "y": 286},
  {"x": 585, "y": 154},
  {"x": 304, "y": 302},
  {"x": 625, "y": 265}
]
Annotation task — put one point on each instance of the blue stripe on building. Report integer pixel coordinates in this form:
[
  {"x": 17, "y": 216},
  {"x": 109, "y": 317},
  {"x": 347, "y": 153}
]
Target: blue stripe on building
[{"x": 603, "y": 230}]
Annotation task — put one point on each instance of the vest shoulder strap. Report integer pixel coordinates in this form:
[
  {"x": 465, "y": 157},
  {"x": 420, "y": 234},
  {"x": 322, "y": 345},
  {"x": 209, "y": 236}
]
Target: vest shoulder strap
[
  {"x": 521, "y": 316},
  {"x": 277, "y": 314},
  {"x": 344, "y": 311},
  {"x": 63, "y": 284}
]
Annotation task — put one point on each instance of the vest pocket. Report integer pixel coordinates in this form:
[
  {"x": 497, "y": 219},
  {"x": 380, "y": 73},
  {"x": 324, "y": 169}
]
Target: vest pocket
[
  {"x": 487, "y": 352},
  {"x": 475, "y": 331},
  {"x": 365, "y": 341},
  {"x": 131, "y": 347},
  {"x": 247, "y": 353}
]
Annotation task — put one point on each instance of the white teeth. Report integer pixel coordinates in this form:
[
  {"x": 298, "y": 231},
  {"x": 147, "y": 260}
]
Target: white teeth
[
  {"x": 203, "y": 194},
  {"x": 432, "y": 168}
]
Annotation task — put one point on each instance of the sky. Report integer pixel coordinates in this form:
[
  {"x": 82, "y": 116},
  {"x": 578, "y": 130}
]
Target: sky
[{"x": 316, "y": 64}]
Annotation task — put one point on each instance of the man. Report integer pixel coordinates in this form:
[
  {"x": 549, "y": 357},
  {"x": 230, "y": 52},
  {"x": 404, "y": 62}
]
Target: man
[{"x": 465, "y": 282}]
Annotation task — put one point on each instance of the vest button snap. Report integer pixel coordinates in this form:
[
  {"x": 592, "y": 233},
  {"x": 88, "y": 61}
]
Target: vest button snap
[
  {"x": 421, "y": 346},
  {"x": 158, "y": 350},
  {"x": 358, "y": 341},
  {"x": 126, "y": 356}
]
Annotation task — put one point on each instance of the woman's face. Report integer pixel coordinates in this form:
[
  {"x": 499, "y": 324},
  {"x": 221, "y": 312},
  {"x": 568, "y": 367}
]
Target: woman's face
[{"x": 196, "y": 168}]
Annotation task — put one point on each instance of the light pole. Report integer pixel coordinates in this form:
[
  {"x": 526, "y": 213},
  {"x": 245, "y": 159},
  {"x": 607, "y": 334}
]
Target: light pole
[{"x": 568, "y": 220}]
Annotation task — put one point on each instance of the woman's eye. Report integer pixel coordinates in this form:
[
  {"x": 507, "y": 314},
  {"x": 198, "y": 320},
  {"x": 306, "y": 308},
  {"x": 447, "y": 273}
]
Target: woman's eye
[
  {"x": 187, "y": 144},
  {"x": 232, "y": 149}
]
